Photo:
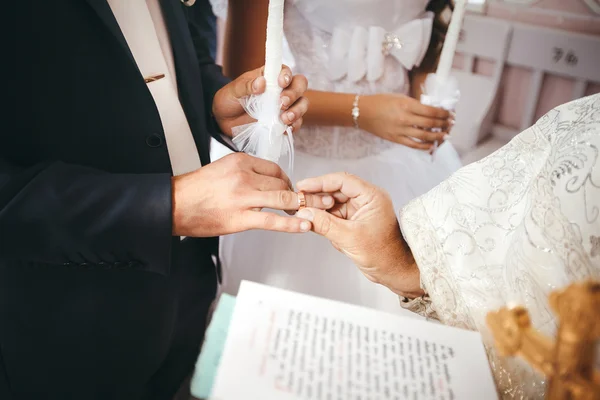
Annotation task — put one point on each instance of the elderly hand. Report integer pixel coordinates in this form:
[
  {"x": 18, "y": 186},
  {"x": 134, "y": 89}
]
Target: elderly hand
[
  {"x": 363, "y": 225},
  {"x": 229, "y": 112}
]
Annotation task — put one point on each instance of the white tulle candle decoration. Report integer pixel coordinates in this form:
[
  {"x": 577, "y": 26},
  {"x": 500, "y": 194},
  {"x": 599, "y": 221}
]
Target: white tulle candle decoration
[
  {"x": 268, "y": 137},
  {"x": 441, "y": 89}
]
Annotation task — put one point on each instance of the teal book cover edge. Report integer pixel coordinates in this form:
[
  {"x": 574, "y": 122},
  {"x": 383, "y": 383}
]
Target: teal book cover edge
[{"x": 208, "y": 362}]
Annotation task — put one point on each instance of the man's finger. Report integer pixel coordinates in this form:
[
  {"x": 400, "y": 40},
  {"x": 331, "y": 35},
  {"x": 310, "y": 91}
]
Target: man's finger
[
  {"x": 268, "y": 183},
  {"x": 340, "y": 197},
  {"x": 287, "y": 200},
  {"x": 350, "y": 185},
  {"x": 268, "y": 168},
  {"x": 323, "y": 223},
  {"x": 272, "y": 222},
  {"x": 321, "y": 201},
  {"x": 247, "y": 84}
]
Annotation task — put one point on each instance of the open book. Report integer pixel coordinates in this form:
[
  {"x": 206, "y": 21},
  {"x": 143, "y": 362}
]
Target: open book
[{"x": 274, "y": 344}]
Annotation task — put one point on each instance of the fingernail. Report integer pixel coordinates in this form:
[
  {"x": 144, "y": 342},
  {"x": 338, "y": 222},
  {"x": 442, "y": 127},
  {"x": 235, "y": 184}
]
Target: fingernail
[
  {"x": 285, "y": 101},
  {"x": 306, "y": 214},
  {"x": 305, "y": 226},
  {"x": 327, "y": 200},
  {"x": 255, "y": 85},
  {"x": 291, "y": 116},
  {"x": 452, "y": 122},
  {"x": 446, "y": 137},
  {"x": 287, "y": 79}
]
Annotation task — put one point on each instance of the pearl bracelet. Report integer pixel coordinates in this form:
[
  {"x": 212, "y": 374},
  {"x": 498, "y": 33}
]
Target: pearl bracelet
[{"x": 355, "y": 111}]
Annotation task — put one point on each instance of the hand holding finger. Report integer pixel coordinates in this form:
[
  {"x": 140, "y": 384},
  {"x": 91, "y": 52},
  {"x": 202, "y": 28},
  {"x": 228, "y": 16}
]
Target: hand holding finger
[
  {"x": 247, "y": 84},
  {"x": 272, "y": 222},
  {"x": 349, "y": 185},
  {"x": 287, "y": 200},
  {"x": 324, "y": 223}
]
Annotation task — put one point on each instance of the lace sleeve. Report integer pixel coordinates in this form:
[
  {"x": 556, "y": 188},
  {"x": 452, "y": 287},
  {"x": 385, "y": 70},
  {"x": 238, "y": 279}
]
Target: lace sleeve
[
  {"x": 421, "y": 305},
  {"x": 219, "y": 8},
  {"x": 511, "y": 228}
]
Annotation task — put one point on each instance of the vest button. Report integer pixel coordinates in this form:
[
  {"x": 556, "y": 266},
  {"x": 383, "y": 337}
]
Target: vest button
[{"x": 154, "y": 140}]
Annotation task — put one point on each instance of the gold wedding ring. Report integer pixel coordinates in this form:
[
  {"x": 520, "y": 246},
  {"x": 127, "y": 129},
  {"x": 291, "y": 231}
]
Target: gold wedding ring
[{"x": 301, "y": 200}]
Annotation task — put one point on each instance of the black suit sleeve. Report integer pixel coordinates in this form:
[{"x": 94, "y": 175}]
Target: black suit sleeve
[
  {"x": 202, "y": 25},
  {"x": 60, "y": 214}
]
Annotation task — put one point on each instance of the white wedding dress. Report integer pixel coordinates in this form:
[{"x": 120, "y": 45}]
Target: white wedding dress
[{"x": 337, "y": 45}]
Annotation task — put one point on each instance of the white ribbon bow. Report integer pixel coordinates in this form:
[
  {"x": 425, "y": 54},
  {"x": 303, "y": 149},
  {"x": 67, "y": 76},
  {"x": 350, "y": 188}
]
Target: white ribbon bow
[{"x": 361, "y": 51}]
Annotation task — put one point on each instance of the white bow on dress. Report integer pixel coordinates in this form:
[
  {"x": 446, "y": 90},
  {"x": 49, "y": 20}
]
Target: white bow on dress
[{"x": 360, "y": 51}]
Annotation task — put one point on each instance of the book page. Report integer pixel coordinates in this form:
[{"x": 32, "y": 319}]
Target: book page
[{"x": 284, "y": 345}]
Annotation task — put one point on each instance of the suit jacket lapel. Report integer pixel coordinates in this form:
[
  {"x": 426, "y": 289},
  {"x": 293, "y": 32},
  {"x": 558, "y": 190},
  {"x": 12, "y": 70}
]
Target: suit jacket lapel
[
  {"x": 189, "y": 78},
  {"x": 103, "y": 11}
]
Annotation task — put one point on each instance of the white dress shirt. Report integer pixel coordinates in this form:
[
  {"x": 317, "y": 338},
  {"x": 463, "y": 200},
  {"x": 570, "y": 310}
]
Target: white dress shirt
[{"x": 143, "y": 26}]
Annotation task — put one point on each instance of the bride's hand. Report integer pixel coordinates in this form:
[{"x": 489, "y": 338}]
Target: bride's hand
[
  {"x": 402, "y": 119},
  {"x": 363, "y": 225}
]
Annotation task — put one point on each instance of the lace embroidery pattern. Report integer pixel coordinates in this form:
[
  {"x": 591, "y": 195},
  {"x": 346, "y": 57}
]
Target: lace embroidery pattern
[{"x": 512, "y": 228}]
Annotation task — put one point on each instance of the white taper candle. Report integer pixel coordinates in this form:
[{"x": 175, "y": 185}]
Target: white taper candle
[
  {"x": 447, "y": 56},
  {"x": 274, "y": 45}
]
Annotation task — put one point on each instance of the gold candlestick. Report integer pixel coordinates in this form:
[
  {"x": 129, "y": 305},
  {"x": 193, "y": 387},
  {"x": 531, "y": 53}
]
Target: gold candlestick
[{"x": 568, "y": 363}]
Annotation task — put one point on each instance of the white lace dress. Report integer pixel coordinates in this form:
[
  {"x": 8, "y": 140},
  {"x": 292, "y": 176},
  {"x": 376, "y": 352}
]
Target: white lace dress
[
  {"x": 511, "y": 228},
  {"x": 337, "y": 45}
]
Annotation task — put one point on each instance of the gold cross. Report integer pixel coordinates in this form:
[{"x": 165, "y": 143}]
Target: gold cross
[{"x": 569, "y": 362}]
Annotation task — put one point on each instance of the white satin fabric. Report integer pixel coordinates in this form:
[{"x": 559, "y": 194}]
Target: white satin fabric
[
  {"x": 358, "y": 52},
  {"x": 510, "y": 229}
]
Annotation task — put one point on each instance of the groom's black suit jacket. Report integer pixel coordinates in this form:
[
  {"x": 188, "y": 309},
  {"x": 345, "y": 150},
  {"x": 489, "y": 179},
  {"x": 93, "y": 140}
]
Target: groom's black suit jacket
[{"x": 97, "y": 299}]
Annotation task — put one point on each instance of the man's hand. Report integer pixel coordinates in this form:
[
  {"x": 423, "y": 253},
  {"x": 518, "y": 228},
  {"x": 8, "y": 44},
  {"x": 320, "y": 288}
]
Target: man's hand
[
  {"x": 229, "y": 112},
  {"x": 363, "y": 225},
  {"x": 226, "y": 197}
]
